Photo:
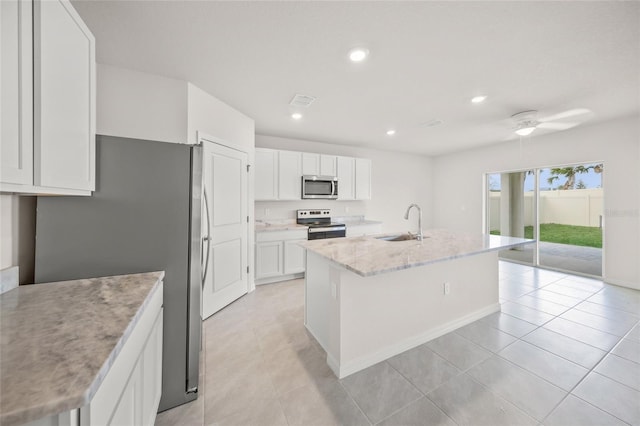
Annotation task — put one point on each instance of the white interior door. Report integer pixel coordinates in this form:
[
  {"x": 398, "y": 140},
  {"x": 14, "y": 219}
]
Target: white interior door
[{"x": 225, "y": 186}]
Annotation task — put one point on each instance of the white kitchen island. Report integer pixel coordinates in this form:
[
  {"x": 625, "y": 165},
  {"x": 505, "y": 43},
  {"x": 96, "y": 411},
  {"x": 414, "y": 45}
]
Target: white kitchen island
[{"x": 367, "y": 299}]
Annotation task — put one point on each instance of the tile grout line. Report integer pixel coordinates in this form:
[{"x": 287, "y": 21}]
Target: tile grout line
[
  {"x": 590, "y": 371},
  {"x": 355, "y": 402},
  {"x": 424, "y": 395}
]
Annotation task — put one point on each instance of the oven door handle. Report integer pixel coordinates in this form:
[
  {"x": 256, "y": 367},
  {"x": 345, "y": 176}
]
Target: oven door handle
[{"x": 326, "y": 229}]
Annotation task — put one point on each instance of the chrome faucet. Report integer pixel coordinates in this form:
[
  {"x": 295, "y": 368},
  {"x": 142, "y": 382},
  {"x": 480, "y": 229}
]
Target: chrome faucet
[{"x": 406, "y": 216}]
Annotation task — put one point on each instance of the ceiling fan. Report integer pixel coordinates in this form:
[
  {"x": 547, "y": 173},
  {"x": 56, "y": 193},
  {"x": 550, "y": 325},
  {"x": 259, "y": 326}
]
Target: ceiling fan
[{"x": 526, "y": 121}]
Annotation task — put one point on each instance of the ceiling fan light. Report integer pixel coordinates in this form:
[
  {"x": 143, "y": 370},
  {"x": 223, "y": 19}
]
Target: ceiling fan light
[{"x": 526, "y": 130}]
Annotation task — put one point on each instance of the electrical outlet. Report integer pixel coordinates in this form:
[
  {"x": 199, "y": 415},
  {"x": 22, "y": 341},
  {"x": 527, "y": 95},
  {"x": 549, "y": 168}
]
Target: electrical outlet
[{"x": 446, "y": 288}]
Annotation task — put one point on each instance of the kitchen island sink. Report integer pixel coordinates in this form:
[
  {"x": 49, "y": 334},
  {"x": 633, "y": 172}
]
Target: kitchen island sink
[{"x": 397, "y": 237}]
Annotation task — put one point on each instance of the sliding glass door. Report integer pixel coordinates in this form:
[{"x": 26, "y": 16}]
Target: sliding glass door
[
  {"x": 560, "y": 207},
  {"x": 511, "y": 210}
]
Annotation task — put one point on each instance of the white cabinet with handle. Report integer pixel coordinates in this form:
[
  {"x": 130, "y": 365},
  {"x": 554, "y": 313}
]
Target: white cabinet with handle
[
  {"x": 48, "y": 67},
  {"x": 278, "y": 255}
]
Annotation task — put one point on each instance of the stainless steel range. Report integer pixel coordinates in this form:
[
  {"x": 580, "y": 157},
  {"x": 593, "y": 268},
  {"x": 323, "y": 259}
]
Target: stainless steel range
[{"x": 320, "y": 224}]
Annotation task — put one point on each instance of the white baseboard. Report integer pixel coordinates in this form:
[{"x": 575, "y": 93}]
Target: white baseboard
[
  {"x": 9, "y": 278},
  {"x": 622, "y": 283},
  {"x": 279, "y": 278},
  {"x": 361, "y": 363}
]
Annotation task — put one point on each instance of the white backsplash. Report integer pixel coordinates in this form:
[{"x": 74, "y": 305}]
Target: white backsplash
[{"x": 282, "y": 211}]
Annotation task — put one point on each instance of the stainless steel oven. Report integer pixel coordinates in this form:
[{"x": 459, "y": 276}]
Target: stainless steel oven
[
  {"x": 320, "y": 224},
  {"x": 319, "y": 187}
]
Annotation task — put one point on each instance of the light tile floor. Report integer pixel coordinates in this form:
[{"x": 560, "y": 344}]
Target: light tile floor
[{"x": 565, "y": 350}]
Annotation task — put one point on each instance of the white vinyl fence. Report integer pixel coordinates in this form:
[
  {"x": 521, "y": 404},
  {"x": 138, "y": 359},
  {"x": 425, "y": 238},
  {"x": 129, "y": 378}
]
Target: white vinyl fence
[{"x": 581, "y": 207}]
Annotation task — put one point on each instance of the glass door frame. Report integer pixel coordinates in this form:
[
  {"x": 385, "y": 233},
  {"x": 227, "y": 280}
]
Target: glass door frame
[
  {"x": 486, "y": 213},
  {"x": 486, "y": 221}
]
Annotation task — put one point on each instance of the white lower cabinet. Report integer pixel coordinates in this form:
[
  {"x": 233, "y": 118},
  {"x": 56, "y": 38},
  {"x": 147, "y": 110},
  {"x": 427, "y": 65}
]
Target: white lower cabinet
[
  {"x": 278, "y": 255},
  {"x": 269, "y": 259},
  {"x": 130, "y": 392},
  {"x": 293, "y": 257}
]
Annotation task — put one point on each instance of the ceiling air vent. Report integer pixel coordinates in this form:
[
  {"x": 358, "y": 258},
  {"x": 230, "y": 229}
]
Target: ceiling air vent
[
  {"x": 302, "y": 101},
  {"x": 431, "y": 123}
]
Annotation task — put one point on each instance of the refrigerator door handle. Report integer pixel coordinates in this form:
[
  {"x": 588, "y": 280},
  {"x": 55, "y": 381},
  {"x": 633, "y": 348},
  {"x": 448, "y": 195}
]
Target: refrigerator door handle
[{"x": 206, "y": 239}]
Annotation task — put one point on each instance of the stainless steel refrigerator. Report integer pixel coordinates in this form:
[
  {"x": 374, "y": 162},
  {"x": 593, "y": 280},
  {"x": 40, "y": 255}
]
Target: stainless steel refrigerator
[{"x": 145, "y": 215}]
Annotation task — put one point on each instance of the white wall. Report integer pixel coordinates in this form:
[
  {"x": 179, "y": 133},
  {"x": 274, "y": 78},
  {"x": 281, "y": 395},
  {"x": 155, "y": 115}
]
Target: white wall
[
  {"x": 397, "y": 181},
  {"x": 17, "y": 231},
  {"x": 141, "y": 106},
  {"x": 458, "y": 184},
  {"x": 209, "y": 115}
]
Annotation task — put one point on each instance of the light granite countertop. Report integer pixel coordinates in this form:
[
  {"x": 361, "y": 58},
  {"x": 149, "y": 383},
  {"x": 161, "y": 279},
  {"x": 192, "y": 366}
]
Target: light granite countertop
[
  {"x": 360, "y": 222},
  {"x": 269, "y": 227},
  {"x": 291, "y": 225},
  {"x": 59, "y": 340},
  {"x": 367, "y": 256}
]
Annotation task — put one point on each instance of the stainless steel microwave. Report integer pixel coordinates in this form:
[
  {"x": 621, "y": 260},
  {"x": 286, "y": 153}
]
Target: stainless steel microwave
[{"x": 320, "y": 187}]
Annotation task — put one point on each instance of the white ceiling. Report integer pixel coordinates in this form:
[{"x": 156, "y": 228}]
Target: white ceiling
[{"x": 427, "y": 60}]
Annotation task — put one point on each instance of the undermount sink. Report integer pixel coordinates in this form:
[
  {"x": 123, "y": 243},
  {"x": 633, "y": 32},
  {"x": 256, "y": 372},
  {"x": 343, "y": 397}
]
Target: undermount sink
[{"x": 397, "y": 237}]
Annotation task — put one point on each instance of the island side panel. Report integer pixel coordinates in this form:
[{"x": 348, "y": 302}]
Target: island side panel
[
  {"x": 318, "y": 299},
  {"x": 387, "y": 314}
]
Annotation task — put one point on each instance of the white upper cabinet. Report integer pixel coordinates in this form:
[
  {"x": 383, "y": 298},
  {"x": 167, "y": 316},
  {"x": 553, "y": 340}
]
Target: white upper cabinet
[
  {"x": 328, "y": 165},
  {"x": 266, "y": 174},
  {"x": 16, "y": 92},
  {"x": 310, "y": 163},
  {"x": 48, "y": 99},
  {"x": 278, "y": 174},
  {"x": 346, "y": 178},
  {"x": 318, "y": 164},
  {"x": 64, "y": 97},
  {"x": 289, "y": 175},
  {"x": 363, "y": 179}
]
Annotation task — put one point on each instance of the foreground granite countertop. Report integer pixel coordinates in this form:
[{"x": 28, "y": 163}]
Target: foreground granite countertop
[
  {"x": 58, "y": 340},
  {"x": 367, "y": 256}
]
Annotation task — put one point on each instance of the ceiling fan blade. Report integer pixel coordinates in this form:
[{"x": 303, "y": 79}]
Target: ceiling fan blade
[
  {"x": 565, "y": 114},
  {"x": 557, "y": 126}
]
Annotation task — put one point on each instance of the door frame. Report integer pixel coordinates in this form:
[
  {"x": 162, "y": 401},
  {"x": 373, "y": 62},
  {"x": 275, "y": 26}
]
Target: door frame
[
  {"x": 536, "y": 201},
  {"x": 202, "y": 137}
]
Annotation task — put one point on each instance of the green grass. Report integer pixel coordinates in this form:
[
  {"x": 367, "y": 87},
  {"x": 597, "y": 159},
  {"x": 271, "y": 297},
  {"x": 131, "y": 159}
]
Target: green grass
[{"x": 588, "y": 236}]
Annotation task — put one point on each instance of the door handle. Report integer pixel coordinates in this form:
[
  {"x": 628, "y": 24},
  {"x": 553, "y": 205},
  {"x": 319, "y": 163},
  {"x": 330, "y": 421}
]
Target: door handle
[{"x": 206, "y": 239}]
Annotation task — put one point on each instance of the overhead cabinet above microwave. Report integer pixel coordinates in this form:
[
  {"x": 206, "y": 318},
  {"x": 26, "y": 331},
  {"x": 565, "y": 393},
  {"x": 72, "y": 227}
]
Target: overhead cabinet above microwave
[
  {"x": 48, "y": 88},
  {"x": 278, "y": 174}
]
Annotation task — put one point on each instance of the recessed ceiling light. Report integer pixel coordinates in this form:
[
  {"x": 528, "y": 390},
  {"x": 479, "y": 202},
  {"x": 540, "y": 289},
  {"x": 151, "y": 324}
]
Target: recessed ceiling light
[
  {"x": 478, "y": 99},
  {"x": 296, "y": 116},
  {"x": 358, "y": 54},
  {"x": 391, "y": 132}
]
